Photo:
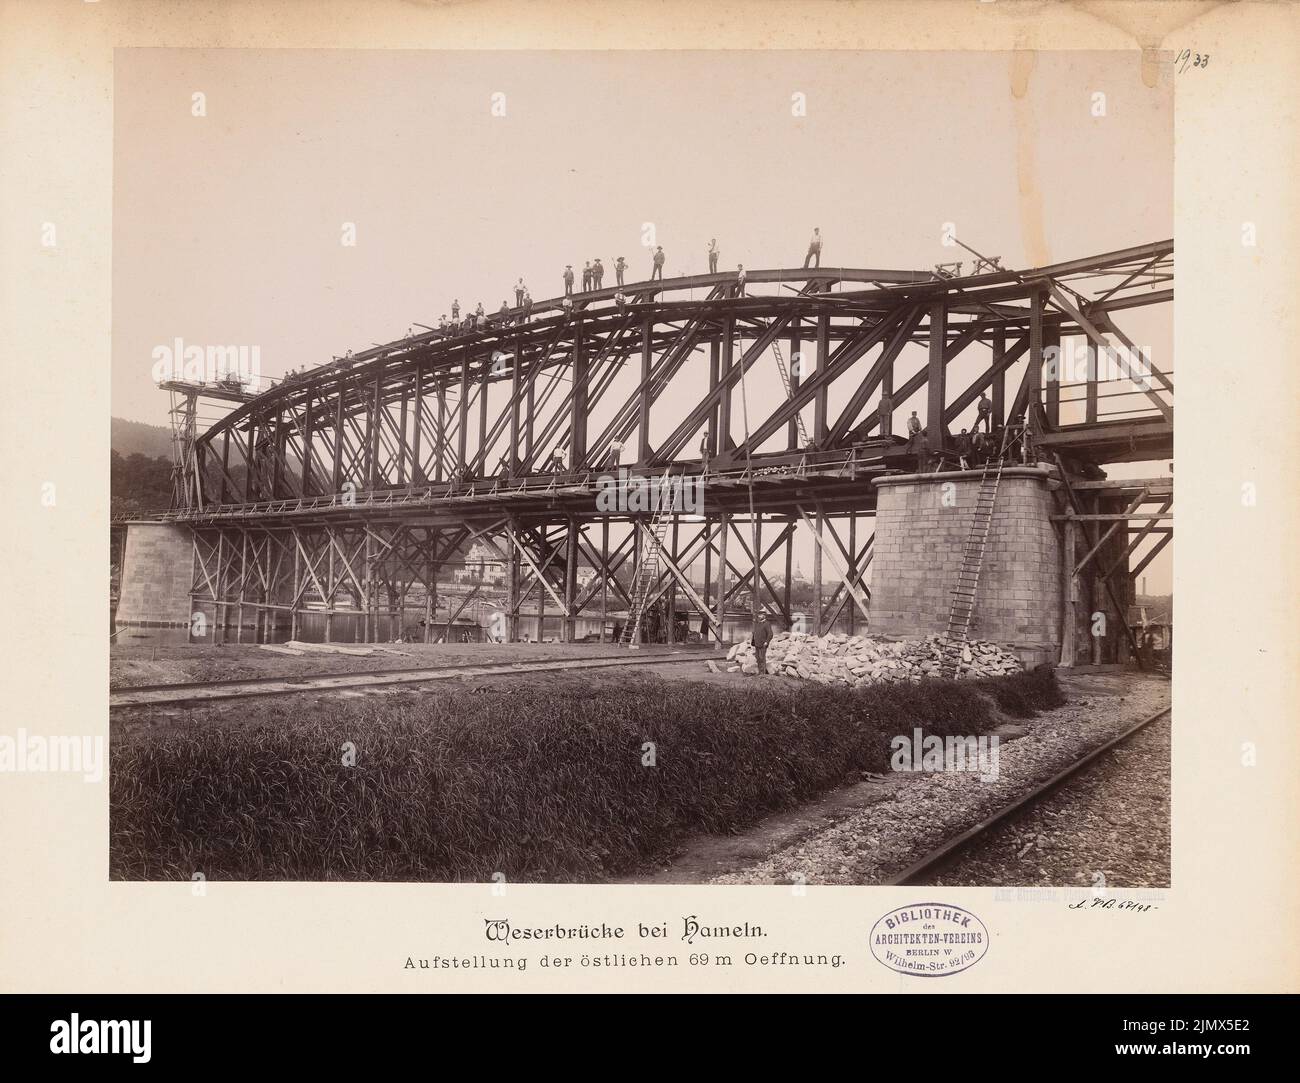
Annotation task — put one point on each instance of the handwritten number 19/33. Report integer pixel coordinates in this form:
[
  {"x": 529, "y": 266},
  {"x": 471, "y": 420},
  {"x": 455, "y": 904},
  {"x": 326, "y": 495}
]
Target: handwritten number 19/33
[{"x": 1196, "y": 60}]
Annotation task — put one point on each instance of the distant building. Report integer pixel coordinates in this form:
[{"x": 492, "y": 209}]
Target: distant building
[{"x": 482, "y": 565}]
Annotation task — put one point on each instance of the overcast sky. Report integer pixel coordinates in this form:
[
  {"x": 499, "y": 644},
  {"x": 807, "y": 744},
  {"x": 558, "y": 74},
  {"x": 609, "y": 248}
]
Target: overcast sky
[{"x": 227, "y": 227}]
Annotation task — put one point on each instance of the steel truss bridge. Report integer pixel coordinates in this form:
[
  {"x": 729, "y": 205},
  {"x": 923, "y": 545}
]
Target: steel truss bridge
[{"x": 347, "y": 490}]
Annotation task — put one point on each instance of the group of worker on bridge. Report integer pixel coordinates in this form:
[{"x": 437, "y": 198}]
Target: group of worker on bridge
[
  {"x": 593, "y": 275},
  {"x": 972, "y": 449}
]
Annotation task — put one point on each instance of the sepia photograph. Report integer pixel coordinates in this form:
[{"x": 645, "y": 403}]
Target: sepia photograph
[
  {"x": 520, "y": 476},
  {"x": 657, "y": 497}
]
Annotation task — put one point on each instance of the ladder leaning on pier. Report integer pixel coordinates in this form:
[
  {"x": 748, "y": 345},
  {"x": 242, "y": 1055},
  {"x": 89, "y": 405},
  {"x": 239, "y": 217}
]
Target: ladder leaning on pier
[
  {"x": 647, "y": 563},
  {"x": 962, "y": 608}
]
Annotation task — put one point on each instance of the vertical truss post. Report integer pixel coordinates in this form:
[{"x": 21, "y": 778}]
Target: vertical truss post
[
  {"x": 724, "y": 523},
  {"x": 1068, "y": 592},
  {"x": 372, "y": 436},
  {"x": 571, "y": 581},
  {"x": 485, "y": 381},
  {"x": 715, "y": 365},
  {"x": 516, "y": 374},
  {"x": 462, "y": 408},
  {"x": 1052, "y": 348},
  {"x": 887, "y": 398},
  {"x": 604, "y": 576},
  {"x": 817, "y": 574},
  {"x": 723, "y": 439},
  {"x": 512, "y": 584},
  {"x": 789, "y": 569},
  {"x": 403, "y": 443},
  {"x": 853, "y": 564},
  {"x": 338, "y": 440},
  {"x": 643, "y": 397},
  {"x": 820, "y": 430},
  {"x": 999, "y": 380},
  {"x": 1034, "y": 376},
  {"x": 417, "y": 434},
  {"x": 936, "y": 385},
  {"x": 796, "y": 377}
]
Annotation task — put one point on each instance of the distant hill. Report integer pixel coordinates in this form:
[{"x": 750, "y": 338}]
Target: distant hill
[{"x": 137, "y": 438}]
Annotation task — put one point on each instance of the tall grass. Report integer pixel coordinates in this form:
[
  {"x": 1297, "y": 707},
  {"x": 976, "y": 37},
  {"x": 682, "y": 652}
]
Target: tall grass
[{"x": 538, "y": 785}]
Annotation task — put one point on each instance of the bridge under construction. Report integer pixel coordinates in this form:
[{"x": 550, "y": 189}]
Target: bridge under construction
[{"x": 349, "y": 489}]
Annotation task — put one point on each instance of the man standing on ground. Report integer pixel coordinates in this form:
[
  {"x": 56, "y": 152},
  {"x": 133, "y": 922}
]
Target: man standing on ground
[
  {"x": 713, "y": 256},
  {"x": 568, "y": 280},
  {"x": 657, "y": 265},
  {"x": 814, "y": 248},
  {"x": 762, "y": 637}
]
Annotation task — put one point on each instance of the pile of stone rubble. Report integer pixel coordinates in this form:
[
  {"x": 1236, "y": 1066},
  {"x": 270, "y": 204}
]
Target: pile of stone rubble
[{"x": 858, "y": 660}]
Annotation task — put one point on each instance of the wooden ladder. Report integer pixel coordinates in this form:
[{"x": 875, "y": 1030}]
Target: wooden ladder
[
  {"x": 961, "y": 611},
  {"x": 647, "y": 566},
  {"x": 789, "y": 393}
]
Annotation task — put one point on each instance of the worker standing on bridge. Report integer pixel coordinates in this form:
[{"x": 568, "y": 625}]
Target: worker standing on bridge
[
  {"x": 984, "y": 413},
  {"x": 586, "y": 276},
  {"x": 520, "y": 290},
  {"x": 503, "y": 314},
  {"x": 615, "y": 453},
  {"x": 479, "y": 314},
  {"x": 442, "y": 325},
  {"x": 740, "y": 280},
  {"x": 657, "y": 264},
  {"x": 620, "y": 299},
  {"x": 814, "y": 249},
  {"x": 620, "y": 265},
  {"x": 913, "y": 432},
  {"x": 528, "y": 305},
  {"x": 597, "y": 273},
  {"x": 706, "y": 447},
  {"x": 568, "y": 280},
  {"x": 762, "y": 637},
  {"x": 713, "y": 255},
  {"x": 963, "y": 448},
  {"x": 455, "y": 309}
]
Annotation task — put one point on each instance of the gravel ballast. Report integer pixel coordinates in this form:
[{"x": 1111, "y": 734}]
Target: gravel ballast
[
  {"x": 1107, "y": 826},
  {"x": 925, "y": 809}
]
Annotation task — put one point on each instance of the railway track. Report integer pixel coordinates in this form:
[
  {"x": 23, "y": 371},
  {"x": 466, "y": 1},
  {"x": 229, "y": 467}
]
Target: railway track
[
  {"x": 941, "y": 857},
  {"x": 244, "y": 688}
]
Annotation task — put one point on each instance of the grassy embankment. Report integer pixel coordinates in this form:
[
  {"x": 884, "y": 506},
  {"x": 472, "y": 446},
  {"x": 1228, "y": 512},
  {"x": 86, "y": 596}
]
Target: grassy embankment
[{"x": 539, "y": 785}]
